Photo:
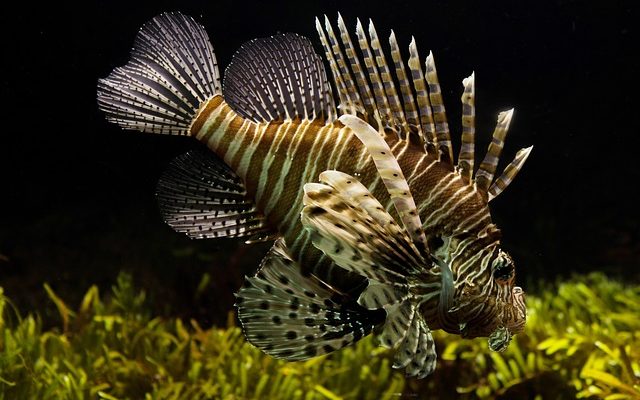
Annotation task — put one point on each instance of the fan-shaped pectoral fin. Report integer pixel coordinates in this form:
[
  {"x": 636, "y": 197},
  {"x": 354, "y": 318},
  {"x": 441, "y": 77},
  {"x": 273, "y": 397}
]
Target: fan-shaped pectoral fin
[{"x": 407, "y": 333}]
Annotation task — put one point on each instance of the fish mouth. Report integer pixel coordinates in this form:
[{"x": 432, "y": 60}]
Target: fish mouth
[{"x": 502, "y": 327}]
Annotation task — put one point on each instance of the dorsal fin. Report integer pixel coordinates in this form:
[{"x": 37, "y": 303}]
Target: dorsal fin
[
  {"x": 372, "y": 94},
  {"x": 509, "y": 173},
  {"x": 410, "y": 110},
  {"x": 437, "y": 107},
  {"x": 484, "y": 175},
  {"x": 467, "y": 147},
  {"x": 278, "y": 78},
  {"x": 422, "y": 96},
  {"x": 416, "y": 110}
]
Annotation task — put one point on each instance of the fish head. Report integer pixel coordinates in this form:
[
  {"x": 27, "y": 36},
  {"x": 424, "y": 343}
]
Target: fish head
[{"x": 486, "y": 302}]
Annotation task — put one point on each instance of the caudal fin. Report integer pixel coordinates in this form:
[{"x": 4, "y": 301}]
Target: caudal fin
[{"x": 171, "y": 72}]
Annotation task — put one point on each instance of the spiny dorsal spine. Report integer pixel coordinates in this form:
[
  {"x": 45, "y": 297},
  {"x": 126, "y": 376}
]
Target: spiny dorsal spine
[
  {"x": 374, "y": 97},
  {"x": 467, "y": 147}
]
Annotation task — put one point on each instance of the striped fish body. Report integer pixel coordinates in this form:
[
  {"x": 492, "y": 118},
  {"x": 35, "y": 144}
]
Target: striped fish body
[
  {"x": 375, "y": 225},
  {"x": 276, "y": 159}
]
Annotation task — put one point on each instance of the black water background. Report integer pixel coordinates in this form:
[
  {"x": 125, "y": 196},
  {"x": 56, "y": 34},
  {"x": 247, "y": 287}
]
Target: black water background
[{"x": 77, "y": 194}]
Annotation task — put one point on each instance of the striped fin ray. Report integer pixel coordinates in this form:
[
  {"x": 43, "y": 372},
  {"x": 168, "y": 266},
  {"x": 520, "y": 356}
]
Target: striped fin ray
[
  {"x": 295, "y": 317},
  {"x": 172, "y": 71},
  {"x": 353, "y": 239},
  {"x": 422, "y": 361},
  {"x": 341, "y": 61},
  {"x": 383, "y": 111},
  {"x": 359, "y": 194},
  {"x": 406, "y": 331},
  {"x": 387, "y": 83},
  {"x": 201, "y": 197},
  {"x": 349, "y": 99},
  {"x": 379, "y": 295},
  {"x": 509, "y": 173},
  {"x": 278, "y": 78},
  {"x": 391, "y": 175},
  {"x": 412, "y": 116},
  {"x": 467, "y": 147},
  {"x": 354, "y": 63},
  {"x": 437, "y": 106},
  {"x": 484, "y": 175},
  {"x": 422, "y": 97}
]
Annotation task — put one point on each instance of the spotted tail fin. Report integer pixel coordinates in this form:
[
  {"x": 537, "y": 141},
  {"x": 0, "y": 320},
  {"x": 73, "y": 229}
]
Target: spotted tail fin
[{"x": 172, "y": 71}]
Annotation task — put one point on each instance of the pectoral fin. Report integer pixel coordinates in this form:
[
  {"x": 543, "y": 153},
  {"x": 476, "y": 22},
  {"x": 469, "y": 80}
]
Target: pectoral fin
[
  {"x": 358, "y": 235},
  {"x": 408, "y": 334},
  {"x": 296, "y": 317}
]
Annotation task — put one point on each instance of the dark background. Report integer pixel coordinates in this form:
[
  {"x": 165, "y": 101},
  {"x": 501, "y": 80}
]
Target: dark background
[{"x": 77, "y": 194}]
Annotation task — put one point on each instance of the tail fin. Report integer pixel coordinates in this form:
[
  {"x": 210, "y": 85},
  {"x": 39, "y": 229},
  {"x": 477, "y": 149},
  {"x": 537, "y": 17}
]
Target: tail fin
[{"x": 172, "y": 71}]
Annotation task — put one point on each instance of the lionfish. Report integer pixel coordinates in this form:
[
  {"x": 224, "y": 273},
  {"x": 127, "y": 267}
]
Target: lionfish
[{"x": 376, "y": 228}]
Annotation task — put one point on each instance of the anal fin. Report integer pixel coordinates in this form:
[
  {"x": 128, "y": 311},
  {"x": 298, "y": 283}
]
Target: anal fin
[{"x": 202, "y": 197}]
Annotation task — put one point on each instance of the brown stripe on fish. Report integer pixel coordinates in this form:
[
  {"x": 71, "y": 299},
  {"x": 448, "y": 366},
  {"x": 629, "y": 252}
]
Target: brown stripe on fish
[
  {"x": 290, "y": 162},
  {"x": 238, "y": 147},
  {"x": 203, "y": 115},
  {"x": 268, "y": 147},
  {"x": 215, "y": 125}
]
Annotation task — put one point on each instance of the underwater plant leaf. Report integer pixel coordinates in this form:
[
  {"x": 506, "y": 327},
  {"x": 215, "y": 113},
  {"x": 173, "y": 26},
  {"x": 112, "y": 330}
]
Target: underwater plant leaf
[
  {"x": 65, "y": 312},
  {"x": 608, "y": 380},
  {"x": 114, "y": 348}
]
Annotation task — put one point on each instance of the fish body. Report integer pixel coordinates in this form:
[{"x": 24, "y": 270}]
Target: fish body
[
  {"x": 376, "y": 227},
  {"x": 275, "y": 159}
]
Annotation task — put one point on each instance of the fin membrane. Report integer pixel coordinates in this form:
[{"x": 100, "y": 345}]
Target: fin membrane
[
  {"x": 352, "y": 229},
  {"x": 172, "y": 70},
  {"x": 354, "y": 240},
  {"x": 416, "y": 351},
  {"x": 278, "y": 78},
  {"x": 296, "y": 317},
  {"x": 202, "y": 197},
  {"x": 391, "y": 175}
]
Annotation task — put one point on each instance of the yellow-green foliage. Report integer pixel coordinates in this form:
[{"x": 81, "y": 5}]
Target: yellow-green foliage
[
  {"x": 582, "y": 339},
  {"x": 114, "y": 350}
]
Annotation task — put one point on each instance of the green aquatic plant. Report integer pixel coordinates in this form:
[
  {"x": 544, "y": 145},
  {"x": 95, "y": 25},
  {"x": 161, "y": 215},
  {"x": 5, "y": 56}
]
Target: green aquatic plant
[
  {"x": 582, "y": 340},
  {"x": 113, "y": 349}
]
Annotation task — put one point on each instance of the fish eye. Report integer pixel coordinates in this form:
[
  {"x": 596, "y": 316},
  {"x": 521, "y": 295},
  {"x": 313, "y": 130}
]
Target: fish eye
[{"x": 503, "y": 269}]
